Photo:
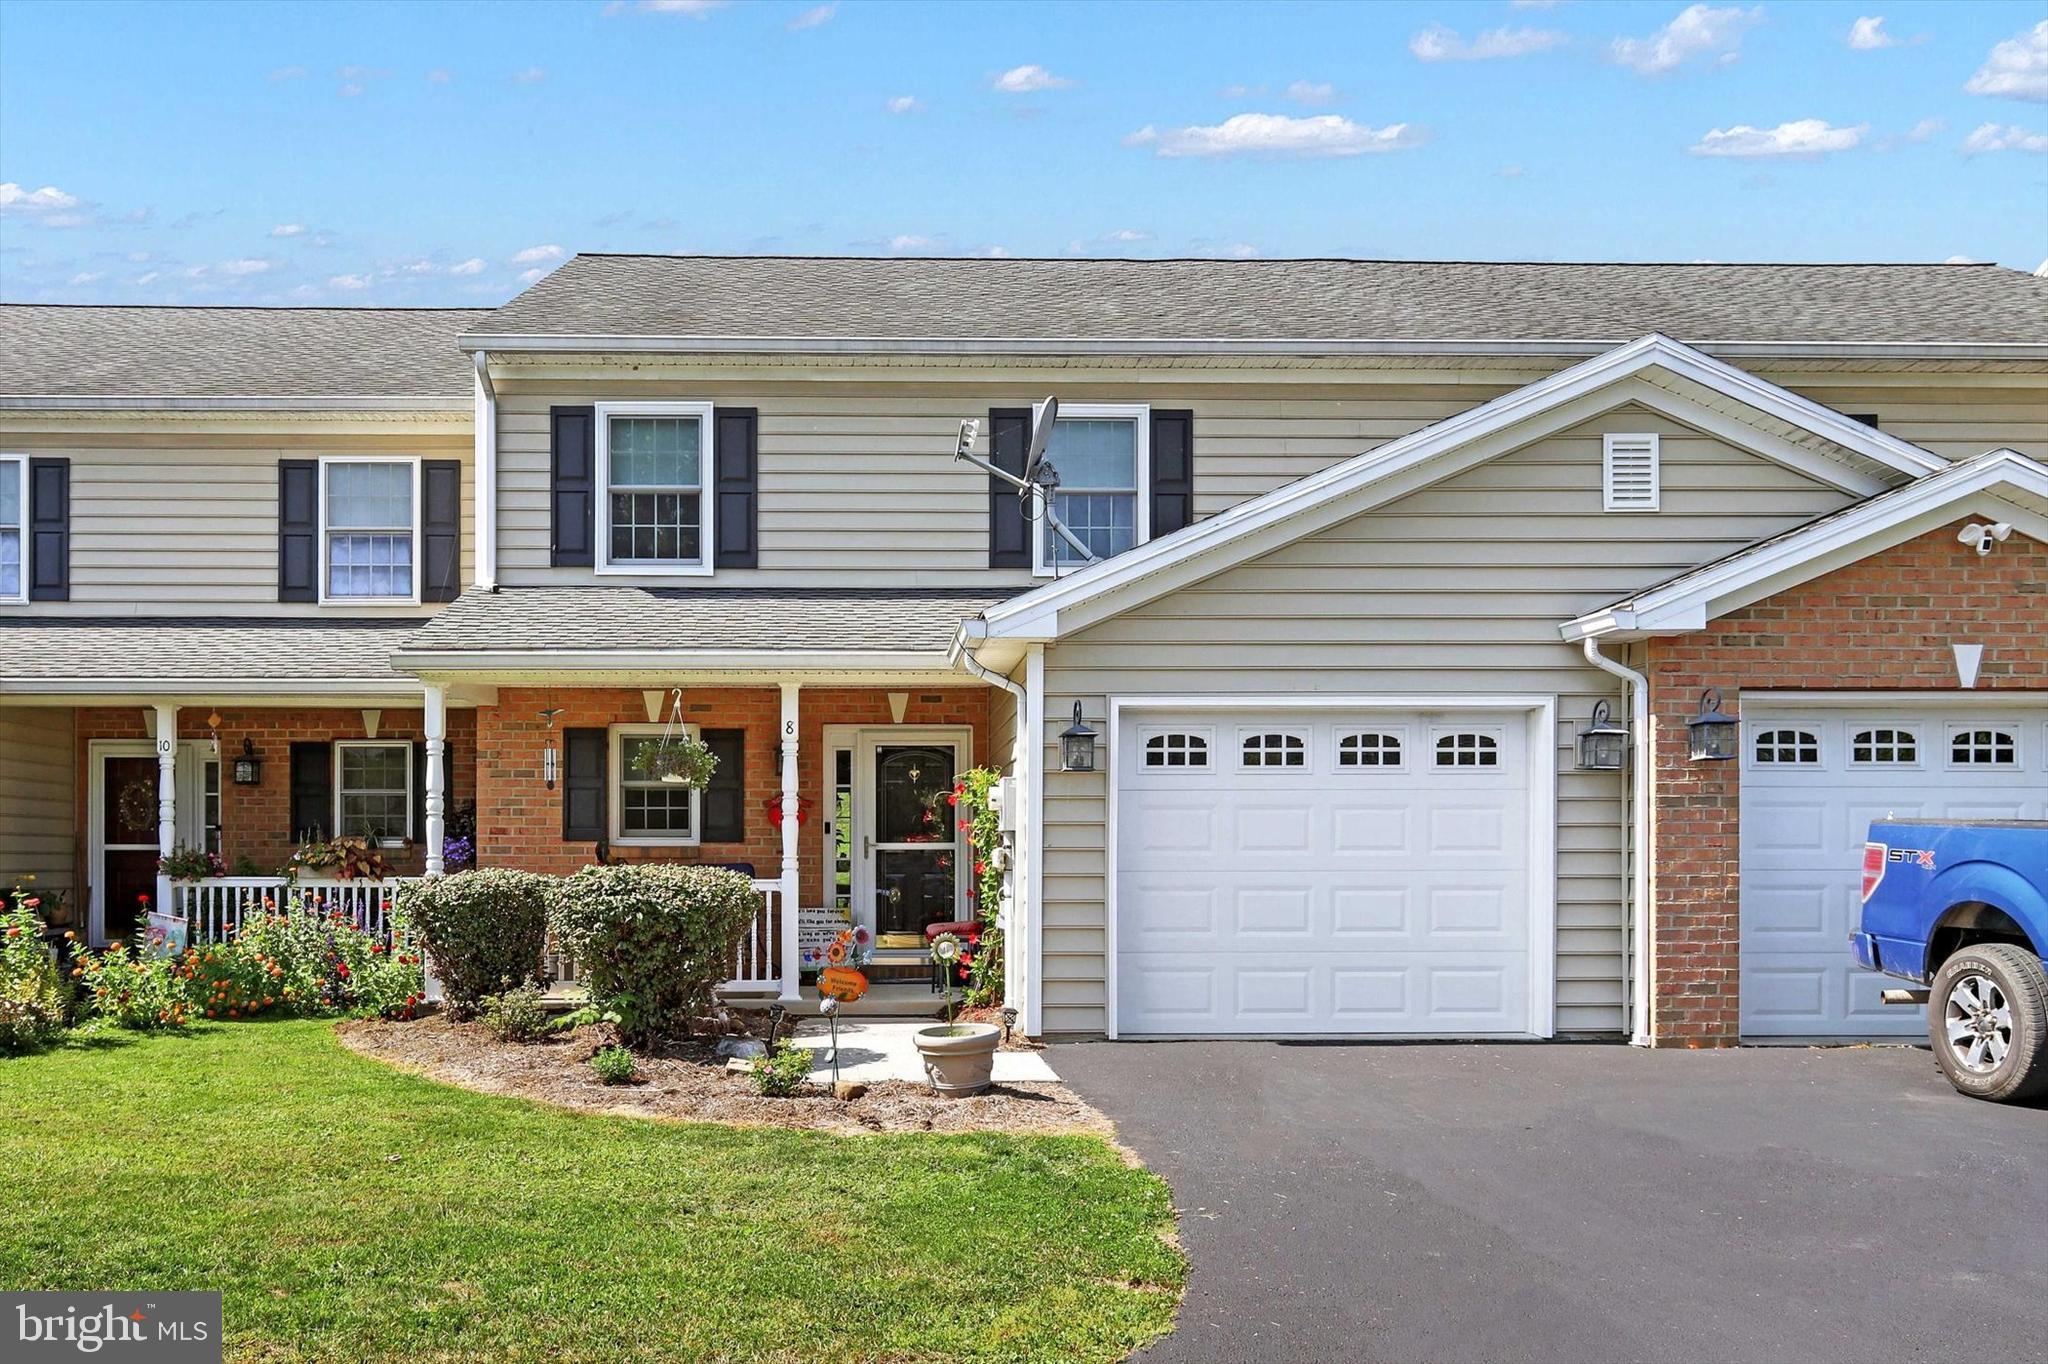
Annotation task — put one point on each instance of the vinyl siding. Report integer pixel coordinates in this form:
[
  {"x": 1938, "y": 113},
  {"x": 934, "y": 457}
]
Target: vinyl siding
[
  {"x": 184, "y": 523},
  {"x": 1457, "y": 588},
  {"x": 38, "y": 798}
]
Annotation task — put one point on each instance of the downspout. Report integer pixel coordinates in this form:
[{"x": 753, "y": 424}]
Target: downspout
[
  {"x": 486, "y": 476},
  {"x": 1642, "y": 752}
]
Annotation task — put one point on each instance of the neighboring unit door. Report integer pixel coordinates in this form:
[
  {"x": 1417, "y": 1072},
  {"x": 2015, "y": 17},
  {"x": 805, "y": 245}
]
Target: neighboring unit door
[
  {"x": 125, "y": 842},
  {"x": 908, "y": 874},
  {"x": 1305, "y": 872},
  {"x": 1813, "y": 778}
]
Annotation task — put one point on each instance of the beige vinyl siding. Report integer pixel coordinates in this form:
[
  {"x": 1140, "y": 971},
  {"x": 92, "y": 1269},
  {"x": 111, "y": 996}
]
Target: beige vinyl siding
[
  {"x": 1956, "y": 416},
  {"x": 185, "y": 523},
  {"x": 1457, "y": 589},
  {"x": 38, "y": 798}
]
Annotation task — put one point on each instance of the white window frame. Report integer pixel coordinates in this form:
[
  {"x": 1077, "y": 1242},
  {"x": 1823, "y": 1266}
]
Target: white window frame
[
  {"x": 1398, "y": 733},
  {"x": 1957, "y": 728},
  {"x": 1493, "y": 734},
  {"x": 1141, "y": 415},
  {"x": 615, "y": 805},
  {"x": 1607, "y": 498},
  {"x": 419, "y": 567},
  {"x": 707, "y": 500},
  {"x": 1912, "y": 733},
  {"x": 412, "y": 816},
  {"x": 1303, "y": 739},
  {"x": 1202, "y": 733},
  {"x": 1821, "y": 734},
  {"x": 21, "y": 597}
]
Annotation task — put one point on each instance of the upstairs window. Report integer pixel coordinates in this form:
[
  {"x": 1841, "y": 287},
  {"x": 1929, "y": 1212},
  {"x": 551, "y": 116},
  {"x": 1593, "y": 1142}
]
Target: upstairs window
[
  {"x": 13, "y": 529},
  {"x": 1788, "y": 747},
  {"x": 369, "y": 528},
  {"x": 1631, "y": 478},
  {"x": 1177, "y": 750},
  {"x": 1101, "y": 452},
  {"x": 653, "y": 515},
  {"x": 373, "y": 792},
  {"x": 1983, "y": 748}
]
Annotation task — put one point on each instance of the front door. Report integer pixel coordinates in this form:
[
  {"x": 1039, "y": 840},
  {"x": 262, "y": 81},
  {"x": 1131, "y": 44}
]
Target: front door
[
  {"x": 126, "y": 844},
  {"x": 909, "y": 864}
]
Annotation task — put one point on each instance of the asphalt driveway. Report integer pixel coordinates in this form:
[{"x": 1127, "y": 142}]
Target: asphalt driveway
[{"x": 1584, "y": 1203}]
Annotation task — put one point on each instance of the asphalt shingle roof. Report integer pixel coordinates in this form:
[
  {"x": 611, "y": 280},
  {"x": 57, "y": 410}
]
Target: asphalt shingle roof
[
  {"x": 526, "y": 619},
  {"x": 197, "y": 648},
  {"x": 61, "y": 350},
  {"x": 783, "y": 297}
]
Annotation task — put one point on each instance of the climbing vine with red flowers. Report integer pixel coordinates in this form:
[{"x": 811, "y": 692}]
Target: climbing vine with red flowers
[{"x": 978, "y": 819}]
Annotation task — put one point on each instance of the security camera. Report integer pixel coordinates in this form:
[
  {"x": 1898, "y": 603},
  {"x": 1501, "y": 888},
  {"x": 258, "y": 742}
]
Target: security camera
[{"x": 1981, "y": 537}]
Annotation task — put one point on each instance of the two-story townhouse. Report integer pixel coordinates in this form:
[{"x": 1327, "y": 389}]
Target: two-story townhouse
[{"x": 1374, "y": 541}]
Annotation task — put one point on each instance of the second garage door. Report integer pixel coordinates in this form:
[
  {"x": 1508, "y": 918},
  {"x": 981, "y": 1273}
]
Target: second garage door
[{"x": 1323, "y": 873}]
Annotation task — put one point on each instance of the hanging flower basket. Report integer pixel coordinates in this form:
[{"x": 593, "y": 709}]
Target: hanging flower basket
[{"x": 679, "y": 761}]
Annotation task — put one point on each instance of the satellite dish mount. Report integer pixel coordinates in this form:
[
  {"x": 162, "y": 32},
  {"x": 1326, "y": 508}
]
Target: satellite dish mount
[{"x": 1039, "y": 481}]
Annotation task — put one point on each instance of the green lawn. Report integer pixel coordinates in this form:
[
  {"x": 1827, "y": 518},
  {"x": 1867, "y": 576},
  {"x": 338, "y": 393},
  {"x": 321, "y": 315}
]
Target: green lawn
[{"x": 352, "y": 1212}]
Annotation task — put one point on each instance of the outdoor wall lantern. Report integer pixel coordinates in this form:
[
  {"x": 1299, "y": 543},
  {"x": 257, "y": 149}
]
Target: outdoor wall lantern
[
  {"x": 1603, "y": 745},
  {"x": 1711, "y": 734},
  {"x": 248, "y": 766},
  {"x": 1077, "y": 745}
]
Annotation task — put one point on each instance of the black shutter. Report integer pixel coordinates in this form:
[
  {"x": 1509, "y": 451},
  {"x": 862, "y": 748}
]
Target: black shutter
[
  {"x": 416, "y": 818},
  {"x": 1009, "y": 535},
  {"x": 1173, "y": 471},
  {"x": 49, "y": 529},
  {"x": 441, "y": 526},
  {"x": 572, "y": 438},
  {"x": 725, "y": 799},
  {"x": 298, "y": 530},
  {"x": 735, "y": 487},
  {"x": 583, "y": 784},
  {"x": 312, "y": 791}
]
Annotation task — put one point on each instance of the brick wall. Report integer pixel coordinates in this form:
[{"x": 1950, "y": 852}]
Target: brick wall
[
  {"x": 256, "y": 820},
  {"x": 1885, "y": 622},
  {"x": 520, "y": 820}
]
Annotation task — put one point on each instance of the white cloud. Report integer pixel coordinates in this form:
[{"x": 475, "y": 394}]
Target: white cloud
[
  {"x": 248, "y": 265},
  {"x": 473, "y": 266},
  {"x": 689, "y": 9},
  {"x": 1278, "y": 135},
  {"x": 905, "y": 104},
  {"x": 529, "y": 276},
  {"x": 1026, "y": 80},
  {"x": 996, "y": 253},
  {"x": 149, "y": 277},
  {"x": 1127, "y": 234},
  {"x": 533, "y": 254},
  {"x": 287, "y": 73},
  {"x": 1240, "y": 250},
  {"x": 1802, "y": 137},
  {"x": 288, "y": 230},
  {"x": 355, "y": 79},
  {"x": 348, "y": 282},
  {"x": 1699, "y": 33},
  {"x": 2017, "y": 67},
  {"x": 1867, "y": 34},
  {"x": 1958, "y": 260},
  {"x": 1310, "y": 92},
  {"x": 910, "y": 242},
  {"x": 2009, "y": 137},
  {"x": 46, "y": 207},
  {"x": 1926, "y": 128},
  {"x": 440, "y": 75},
  {"x": 532, "y": 75},
  {"x": 88, "y": 277},
  {"x": 1242, "y": 91},
  {"x": 812, "y": 18},
  {"x": 1440, "y": 44}
]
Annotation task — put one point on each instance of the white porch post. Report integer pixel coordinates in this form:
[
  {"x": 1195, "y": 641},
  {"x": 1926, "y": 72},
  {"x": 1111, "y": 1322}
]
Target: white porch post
[
  {"x": 166, "y": 798},
  {"x": 792, "y": 834},
  {"x": 437, "y": 779},
  {"x": 1031, "y": 836}
]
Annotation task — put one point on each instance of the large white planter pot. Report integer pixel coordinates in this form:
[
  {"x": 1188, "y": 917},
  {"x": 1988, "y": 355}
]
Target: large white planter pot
[{"x": 958, "y": 1056}]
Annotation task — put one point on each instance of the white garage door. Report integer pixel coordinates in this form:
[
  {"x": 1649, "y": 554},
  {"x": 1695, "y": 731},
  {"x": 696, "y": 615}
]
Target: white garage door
[
  {"x": 1313, "y": 873},
  {"x": 1812, "y": 781}
]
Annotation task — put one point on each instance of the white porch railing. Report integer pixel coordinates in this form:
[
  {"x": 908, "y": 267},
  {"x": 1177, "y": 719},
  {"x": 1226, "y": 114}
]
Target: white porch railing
[
  {"x": 756, "y": 965},
  {"x": 214, "y": 909}
]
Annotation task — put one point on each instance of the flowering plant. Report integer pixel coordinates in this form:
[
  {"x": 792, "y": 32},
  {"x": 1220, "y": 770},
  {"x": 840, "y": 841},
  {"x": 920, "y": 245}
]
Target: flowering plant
[
  {"x": 349, "y": 858},
  {"x": 33, "y": 1000},
  {"x": 982, "y": 823},
  {"x": 457, "y": 853},
  {"x": 191, "y": 864}
]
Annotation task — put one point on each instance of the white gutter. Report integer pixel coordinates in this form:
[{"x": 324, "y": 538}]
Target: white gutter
[
  {"x": 1642, "y": 753},
  {"x": 657, "y": 660},
  {"x": 486, "y": 398},
  {"x": 973, "y": 632}
]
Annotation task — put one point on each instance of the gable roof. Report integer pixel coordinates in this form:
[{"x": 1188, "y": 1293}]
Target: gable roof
[
  {"x": 2015, "y": 485},
  {"x": 1838, "y": 449},
  {"x": 638, "y": 302},
  {"x": 65, "y": 351}
]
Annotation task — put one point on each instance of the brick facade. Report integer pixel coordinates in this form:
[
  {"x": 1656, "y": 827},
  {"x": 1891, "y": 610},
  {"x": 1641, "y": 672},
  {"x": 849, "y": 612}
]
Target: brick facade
[
  {"x": 256, "y": 820},
  {"x": 1883, "y": 623}
]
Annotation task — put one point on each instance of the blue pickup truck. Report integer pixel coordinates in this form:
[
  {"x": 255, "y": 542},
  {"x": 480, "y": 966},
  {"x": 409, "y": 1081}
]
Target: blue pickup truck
[{"x": 1960, "y": 908}]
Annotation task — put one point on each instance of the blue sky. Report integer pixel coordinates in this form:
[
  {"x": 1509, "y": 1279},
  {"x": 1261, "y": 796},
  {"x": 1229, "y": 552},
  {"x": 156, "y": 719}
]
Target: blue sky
[{"x": 445, "y": 153}]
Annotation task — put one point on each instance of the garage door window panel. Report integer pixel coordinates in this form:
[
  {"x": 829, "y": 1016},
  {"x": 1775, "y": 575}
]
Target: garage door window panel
[
  {"x": 1467, "y": 750},
  {"x": 1370, "y": 751},
  {"x": 1983, "y": 746},
  {"x": 1787, "y": 748},
  {"x": 1266, "y": 750},
  {"x": 1177, "y": 750},
  {"x": 1884, "y": 746}
]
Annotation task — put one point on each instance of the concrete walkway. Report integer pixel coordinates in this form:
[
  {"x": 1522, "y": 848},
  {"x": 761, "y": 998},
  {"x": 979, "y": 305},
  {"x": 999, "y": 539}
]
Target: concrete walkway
[{"x": 873, "y": 1049}]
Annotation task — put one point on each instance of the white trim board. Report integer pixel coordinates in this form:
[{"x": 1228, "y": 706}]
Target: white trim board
[
  {"x": 1423, "y": 457},
  {"x": 1541, "y": 713}
]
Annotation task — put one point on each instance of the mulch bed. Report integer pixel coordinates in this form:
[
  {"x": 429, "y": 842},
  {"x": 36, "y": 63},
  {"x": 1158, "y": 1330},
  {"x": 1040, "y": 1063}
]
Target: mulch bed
[{"x": 687, "y": 1083}]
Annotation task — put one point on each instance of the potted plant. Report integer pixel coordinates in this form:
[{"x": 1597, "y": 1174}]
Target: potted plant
[
  {"x": 191, "y": 864},
  {"x": 679, "y": 760},
  {"x": 958, "y": 1057}
]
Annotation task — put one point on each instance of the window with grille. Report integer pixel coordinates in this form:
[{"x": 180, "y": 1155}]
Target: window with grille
[
  {"x": 1466, "y": 749},
  {"x": 1176, "y": 750},
  {"x": 13, "y": 529},
  {"x": 1100, "y": 452},
  {"x": 646, "y": 809},
  {"x": 1878, "y": 746},
  {"x": 654, "y": 459},
  {"x": 1369, "y": 749},
  {"x": 1984, "y": 748},
  {"x": 1788, "y": 747},
  {"x": 1277, "y": 749},
  {"x": 373, "y": 791},
  {"x": 369, "y": 515}
]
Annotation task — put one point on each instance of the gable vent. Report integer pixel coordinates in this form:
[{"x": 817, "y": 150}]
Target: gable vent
[{"x": 1630, "y": 472}]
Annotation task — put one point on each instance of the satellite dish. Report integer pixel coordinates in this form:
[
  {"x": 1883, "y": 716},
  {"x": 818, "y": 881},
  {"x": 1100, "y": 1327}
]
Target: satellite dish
[{"x": 1042, "y": 419}]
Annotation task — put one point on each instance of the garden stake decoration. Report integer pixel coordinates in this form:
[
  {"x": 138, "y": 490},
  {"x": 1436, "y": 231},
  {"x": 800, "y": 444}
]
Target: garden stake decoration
[
  {"x": 950, "y": 950},
  {"x": 840, "y": 980}
]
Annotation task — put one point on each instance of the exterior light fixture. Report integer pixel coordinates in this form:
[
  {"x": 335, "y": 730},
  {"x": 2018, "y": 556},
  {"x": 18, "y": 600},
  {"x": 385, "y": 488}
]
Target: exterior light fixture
[
  {"x": 1077, "y": 745},
  {"x": 1603, "y": 745},
  {"x": 248, "y": 766},
  {"x": 1711, "y": 734}
]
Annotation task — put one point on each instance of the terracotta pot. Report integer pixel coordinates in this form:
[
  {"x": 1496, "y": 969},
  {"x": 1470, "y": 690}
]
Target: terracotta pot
[{"x": 958, "y": 1056}]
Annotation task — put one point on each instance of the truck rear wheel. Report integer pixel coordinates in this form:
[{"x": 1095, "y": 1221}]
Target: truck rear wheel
[{"x": 1987, "y": 1016}]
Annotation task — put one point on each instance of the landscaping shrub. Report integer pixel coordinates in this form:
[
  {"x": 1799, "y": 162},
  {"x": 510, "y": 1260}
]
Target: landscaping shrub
[
  {"x": 652, "y": 941},
  {"x": 34, "y": 1001},
  {"x": 614, "y": 1065},
  {"x": 135, "y": 990},
  {"x": 518, "y": 1014},
  {"x": 782, "y": 1072},
  {"x": 310, "y": 962},
  {"x": 482, "y": 928}
]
